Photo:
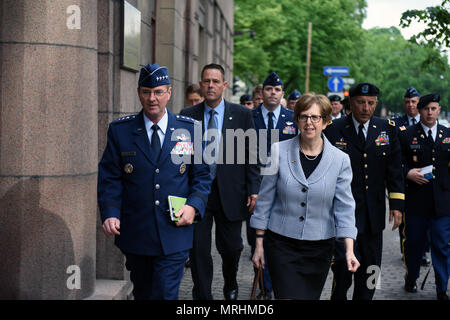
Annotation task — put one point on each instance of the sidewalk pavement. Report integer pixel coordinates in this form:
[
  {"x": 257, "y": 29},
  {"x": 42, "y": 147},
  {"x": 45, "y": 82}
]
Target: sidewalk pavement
[{"x": 390, "y": 286}]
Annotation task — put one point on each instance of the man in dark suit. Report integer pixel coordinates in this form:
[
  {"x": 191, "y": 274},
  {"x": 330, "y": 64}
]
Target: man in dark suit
[
  {"x": 427, "y": 144},
  {"x": 234, "y": 188},
  {"x": 374, "y": 150},
  {"x": 136, "y": 175}
]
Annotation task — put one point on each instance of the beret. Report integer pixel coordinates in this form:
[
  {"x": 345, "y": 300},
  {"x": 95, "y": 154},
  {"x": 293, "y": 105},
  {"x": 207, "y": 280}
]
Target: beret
[
  {"x": 364, "y": 89},
  {"x": 152, "y": 75},
  {"x": 426, "y": 99},
  {"x": 295, "y": 95},
  {"x": 272, "y": 80},
  {"x": 411, "y": 92}
]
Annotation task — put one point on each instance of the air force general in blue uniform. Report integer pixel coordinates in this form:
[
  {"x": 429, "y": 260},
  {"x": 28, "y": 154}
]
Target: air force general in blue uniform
[{"x": 147, "y": 158}]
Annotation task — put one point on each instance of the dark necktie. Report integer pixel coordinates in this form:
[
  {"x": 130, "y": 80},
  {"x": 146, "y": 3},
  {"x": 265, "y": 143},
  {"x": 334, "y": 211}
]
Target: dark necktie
[
  {"x": 362, "y": 139},
  {"x": 156, "y": 143},
  {"x": 430, "y": 136},
  {"x": 212, "y": 127},
  {"x": 413, "y": 120},
  {"x": 269, "y": 132}
]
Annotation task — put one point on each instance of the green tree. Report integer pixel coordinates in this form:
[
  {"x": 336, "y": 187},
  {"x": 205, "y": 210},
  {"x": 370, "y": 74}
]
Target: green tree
[
  {"x": 435, "y": 35},
  {"x": 393, "y": 64},
  {"x": 280, "y": 40}
]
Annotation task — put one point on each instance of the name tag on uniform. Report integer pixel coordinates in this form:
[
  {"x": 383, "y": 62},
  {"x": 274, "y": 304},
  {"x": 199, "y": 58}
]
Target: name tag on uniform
[
  {"x": 183, "y": 147},
  {"x": 289, "y": 130},
  {"x": 382, "y": 139},
  {"x": 128, "y": 154},
  {"x": 414, "y": 146}
]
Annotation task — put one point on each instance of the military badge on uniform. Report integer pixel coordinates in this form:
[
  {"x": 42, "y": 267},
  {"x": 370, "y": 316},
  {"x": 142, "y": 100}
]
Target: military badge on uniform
[
  {"x": 183, "y": 147},
  {"x": 289, "y": 129},
  {"x": 382, "y": 139},
  {"x": 128, "y": 168},
  {"x": 446, "y": 140},
  {"x": 414, "y": 141},
  {"x": 182, "y": 137},
  {"x": 365, "y": 89},
  {"x": 402, "y": 128},
  {"x": 182, "y": 168},
  {"x": 341, "y": 144}
]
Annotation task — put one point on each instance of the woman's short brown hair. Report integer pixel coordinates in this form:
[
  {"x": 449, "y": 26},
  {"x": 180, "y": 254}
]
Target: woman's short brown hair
[{"x": 308, "y": 99}]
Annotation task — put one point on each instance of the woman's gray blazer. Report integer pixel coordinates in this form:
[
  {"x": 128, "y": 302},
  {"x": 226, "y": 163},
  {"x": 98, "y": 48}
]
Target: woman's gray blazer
[{"x": 320, "y": 207}]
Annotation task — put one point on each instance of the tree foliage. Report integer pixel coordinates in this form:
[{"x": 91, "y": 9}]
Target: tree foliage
[
  {"x": 437, "y": 32},
  {"x": 280, "y": 42},
  {"x": 380, "y": 55}
]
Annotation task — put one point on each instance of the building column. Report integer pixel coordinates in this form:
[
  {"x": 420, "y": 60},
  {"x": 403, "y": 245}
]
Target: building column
[{"x": 48, "y": 148}]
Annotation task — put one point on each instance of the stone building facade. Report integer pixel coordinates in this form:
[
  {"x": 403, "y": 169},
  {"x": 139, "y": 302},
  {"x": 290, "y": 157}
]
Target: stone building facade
[{"x": 62, "y": 82}]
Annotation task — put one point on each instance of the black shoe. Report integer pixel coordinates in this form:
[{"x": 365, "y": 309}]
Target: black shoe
[
  {"x": 230, "y": 295},
  {"x": 425, "y": 261},
  {"x": 266, "y": 296},
  {"x": 442, "y": 296},
  {"x": 410, "y": 286}
]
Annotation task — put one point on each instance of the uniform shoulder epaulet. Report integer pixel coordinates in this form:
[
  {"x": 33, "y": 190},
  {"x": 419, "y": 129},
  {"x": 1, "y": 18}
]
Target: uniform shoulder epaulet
[
  {"x": 391, "y": 123},
  {"x": 186, "y": 119},
  {"x": 125, "y": 119}
]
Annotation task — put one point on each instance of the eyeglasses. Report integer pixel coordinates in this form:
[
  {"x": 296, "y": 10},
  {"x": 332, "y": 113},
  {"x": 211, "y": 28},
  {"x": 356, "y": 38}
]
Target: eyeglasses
[
  {"x": 157, "y": 93},
  {"x": 314, "y": 118}
]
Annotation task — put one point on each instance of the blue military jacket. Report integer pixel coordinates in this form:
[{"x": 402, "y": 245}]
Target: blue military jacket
[
  {"x": 433, "y": 198},
  {"x": 286, "y": 125},
  {"x": 133, "y": 187}
]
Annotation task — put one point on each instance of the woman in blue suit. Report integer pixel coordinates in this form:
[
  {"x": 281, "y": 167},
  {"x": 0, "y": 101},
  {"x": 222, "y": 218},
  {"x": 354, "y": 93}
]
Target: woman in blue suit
[{"x": 303, "y": 205}]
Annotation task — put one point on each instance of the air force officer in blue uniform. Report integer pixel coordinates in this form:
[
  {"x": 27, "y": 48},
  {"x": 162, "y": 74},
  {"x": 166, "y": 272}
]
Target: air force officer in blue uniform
[{"x": 148, "y": 157}]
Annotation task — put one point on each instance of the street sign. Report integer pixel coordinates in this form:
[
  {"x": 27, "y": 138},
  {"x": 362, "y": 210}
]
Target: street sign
[
  {"x": 335, "y": 84},
  {"x": 335, "y": 71},
  {"x": 348, "y": 82}
]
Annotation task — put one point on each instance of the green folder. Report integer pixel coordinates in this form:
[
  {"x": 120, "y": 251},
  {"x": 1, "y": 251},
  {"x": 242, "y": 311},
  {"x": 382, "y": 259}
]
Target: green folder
[{"x": 175, "y": 204}]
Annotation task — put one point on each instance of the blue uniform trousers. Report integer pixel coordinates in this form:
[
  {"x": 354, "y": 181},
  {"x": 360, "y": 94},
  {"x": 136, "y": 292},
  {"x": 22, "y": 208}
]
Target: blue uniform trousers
[
  {"x": 156, "y": 277},
  {"x": 416, "y": 227}
]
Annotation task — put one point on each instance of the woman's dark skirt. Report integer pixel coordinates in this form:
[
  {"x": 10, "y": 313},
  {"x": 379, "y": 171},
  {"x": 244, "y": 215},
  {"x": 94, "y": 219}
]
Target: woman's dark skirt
[{"x": 298, "y": 268}]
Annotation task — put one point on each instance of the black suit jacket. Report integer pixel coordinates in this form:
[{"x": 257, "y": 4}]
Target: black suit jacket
[
  {"x": 433, "y": 198},
  {"x": 375, "y": 167},
  {"x": 235, "y": 180}
]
